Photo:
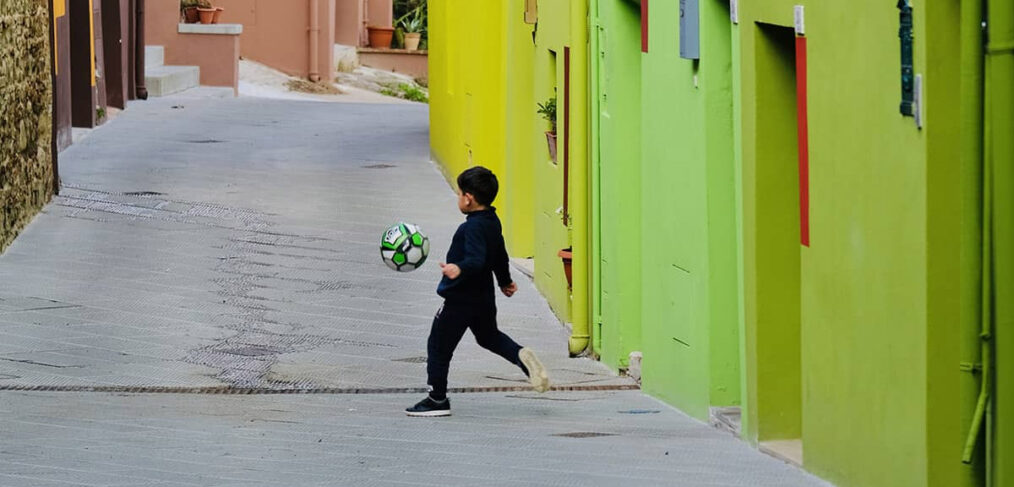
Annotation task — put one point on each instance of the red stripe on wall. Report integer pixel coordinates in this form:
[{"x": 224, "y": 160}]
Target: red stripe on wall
[
  {"x": 803, "y": 142},
  {"x": 644, "y": 25},
  {"x": 566, "y": 134}
]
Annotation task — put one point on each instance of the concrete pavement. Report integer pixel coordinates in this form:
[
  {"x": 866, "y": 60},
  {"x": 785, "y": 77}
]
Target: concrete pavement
[{"x": 233, "y": 243}]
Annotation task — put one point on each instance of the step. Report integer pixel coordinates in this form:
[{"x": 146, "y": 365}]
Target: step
[
  {"x": 154, "y": 56},
  {"x": 166, "y": 80}
]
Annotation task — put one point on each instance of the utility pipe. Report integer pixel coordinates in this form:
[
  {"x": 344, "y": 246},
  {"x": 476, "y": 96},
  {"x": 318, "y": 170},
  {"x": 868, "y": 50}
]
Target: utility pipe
[
  {"x": 594, "y": 67},
  {"x": 580, "y": 336},
  {"x": 314, "y": 40},
  {"x": 140, "y": 90},
  {"x": 1000, "y": 154},
  {"x": 971, "y": 141}
]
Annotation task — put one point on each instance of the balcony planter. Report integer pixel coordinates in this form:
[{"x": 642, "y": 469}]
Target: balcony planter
[
  {"x": 218, "y": 14},
  {"x": 380, "y": 37},
  {"x": 566, "y": 255},
  {"x": 551, "y": 141},
  {"x": 207, "y": 15},
  {"x": 412, "y": 41},
  {"x": 190, "y": 15}
]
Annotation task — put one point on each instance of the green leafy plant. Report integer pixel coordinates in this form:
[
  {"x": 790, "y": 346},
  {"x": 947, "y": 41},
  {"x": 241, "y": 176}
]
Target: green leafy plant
[
  {"x": 185, "y": 4},
  {"x": 548, "y": 111},
  {"x": 406, "y": 91},
  {"x": 414, "y": 21}
]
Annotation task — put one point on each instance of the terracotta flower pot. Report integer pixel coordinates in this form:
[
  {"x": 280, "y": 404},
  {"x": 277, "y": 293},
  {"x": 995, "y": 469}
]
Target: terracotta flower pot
[
  {"x": 190, "y": 15},
  {"x": 551, "y": 140},
  {"x": 380, "y": 37},
  {"x": 218, "y": 14},
  {"x": 412, "y": 41},
  {"x": 567, "y": 256},
  {"x": 207, "y": 15}
]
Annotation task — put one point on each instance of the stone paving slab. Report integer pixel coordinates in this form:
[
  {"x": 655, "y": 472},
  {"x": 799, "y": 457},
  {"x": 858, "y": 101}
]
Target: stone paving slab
[
  {"x": 492, "y": 439},
  {"x": 234, "y": 243}
]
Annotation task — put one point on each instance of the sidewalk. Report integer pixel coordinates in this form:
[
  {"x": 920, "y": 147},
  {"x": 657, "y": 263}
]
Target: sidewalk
[{"x": 233, "y": 243}]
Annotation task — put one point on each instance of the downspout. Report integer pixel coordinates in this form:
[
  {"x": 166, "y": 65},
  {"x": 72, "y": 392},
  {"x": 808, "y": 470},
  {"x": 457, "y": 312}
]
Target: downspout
[
  {"x": 1000, "y": 154},
  {"x": 314, "y": 40},
  {"x": 580, "y": 304},
  {"x": 972, "y": 70},
  {"x": 140, "y": 90},
  {"x": 55, "y": 128},
  {"x": 594, "y": 65}
]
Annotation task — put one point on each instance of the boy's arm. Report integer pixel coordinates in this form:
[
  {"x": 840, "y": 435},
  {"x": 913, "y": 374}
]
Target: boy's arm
[
  {"x": 501, "y": 266},
  {"x": 475, "y": 252}
]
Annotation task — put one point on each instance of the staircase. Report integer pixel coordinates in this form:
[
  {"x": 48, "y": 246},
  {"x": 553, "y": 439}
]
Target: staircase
[{"x": 162, "y": 80}]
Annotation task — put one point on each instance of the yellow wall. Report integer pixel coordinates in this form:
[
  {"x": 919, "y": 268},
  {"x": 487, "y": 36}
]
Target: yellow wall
[{"x": 486, "y": 75}]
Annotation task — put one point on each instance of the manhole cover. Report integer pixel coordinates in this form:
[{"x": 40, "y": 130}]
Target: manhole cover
[
  {"x": 583, "y": 434},
  {"x": 379, "y": 166},
  {"x": 411, "y": 360},
  {"x": 251, "y": 351}
]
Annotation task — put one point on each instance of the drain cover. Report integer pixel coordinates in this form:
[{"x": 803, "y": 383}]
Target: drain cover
[
  {"x": 144, "y": 193},
  {"x": 583, "y": 434},
  {"x": 411, "y": 360},
  {"x": 379, "y": 166},
  {"x": 251, "y": 351}
]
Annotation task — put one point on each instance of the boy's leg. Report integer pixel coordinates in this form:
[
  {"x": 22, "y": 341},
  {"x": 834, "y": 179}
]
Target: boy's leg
[
  {"x": 488, "y": 336},
  {"x": 448, "y": 327}
]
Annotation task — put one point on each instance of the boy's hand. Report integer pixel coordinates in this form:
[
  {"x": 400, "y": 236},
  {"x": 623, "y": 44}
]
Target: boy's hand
[
  {"x": 452, "y": 271},
  {"x": 509, "y": 289}
]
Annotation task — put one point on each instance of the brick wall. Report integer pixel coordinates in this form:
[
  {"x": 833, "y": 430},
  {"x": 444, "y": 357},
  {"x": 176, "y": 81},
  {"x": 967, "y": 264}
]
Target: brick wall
[{"x": 25, "y": 115}]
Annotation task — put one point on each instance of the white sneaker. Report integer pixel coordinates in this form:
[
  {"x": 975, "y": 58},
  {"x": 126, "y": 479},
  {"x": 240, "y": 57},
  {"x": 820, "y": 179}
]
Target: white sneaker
[{"x": 536, "y": 372}]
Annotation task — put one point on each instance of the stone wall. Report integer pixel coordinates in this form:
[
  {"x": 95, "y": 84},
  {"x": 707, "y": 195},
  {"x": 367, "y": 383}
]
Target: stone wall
[{"x": 25, "y": 115}]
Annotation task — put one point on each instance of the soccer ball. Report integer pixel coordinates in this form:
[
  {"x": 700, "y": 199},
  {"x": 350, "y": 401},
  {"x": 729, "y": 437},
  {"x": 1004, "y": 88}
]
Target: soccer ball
[{"x": 404, "y": 247}]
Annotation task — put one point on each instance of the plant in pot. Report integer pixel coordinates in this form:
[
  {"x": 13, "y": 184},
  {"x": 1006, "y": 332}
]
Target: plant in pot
[
  {"x": 380, "y": 37},
  {"x": 188, "y": 10},
  {"x": 548, "y": 112},
  {"x": 206, "y": 12},
  {"x": 218, "y": 15},
  {"x": 567, "y": 256},
  {"x": 413, "y": 23}
]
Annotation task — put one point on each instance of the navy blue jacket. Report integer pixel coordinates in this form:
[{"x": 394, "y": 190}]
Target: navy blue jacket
[{"x": 478, "y": 249}]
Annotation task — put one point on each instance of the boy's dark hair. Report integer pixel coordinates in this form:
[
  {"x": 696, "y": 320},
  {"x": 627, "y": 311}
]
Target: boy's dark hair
[{"x": 481, "y": 183}]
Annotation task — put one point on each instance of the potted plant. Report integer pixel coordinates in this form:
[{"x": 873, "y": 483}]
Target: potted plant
[
  {"x": 567, "y": 256},
  {"x": 413, "y": 23},
  {"x": 218, "y": 14},
  {"x": 380, "y": 37},
  {"x": 548, "y": 112},
  {"x": 188, "y": 10},
  {"x": 206, "y": 13}
]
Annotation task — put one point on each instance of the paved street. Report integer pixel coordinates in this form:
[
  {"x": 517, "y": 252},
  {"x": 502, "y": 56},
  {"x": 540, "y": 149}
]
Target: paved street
[{"x": 209, "y": 245}]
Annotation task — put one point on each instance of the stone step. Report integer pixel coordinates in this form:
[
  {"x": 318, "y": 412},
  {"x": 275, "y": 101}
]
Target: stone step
[
  {"x": 166, "y": 80},
  {"x": 154, "y": 56}
]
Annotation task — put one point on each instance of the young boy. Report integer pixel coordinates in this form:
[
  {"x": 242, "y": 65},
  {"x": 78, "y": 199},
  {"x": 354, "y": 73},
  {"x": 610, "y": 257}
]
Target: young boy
[{"x": 477, "y": 253}]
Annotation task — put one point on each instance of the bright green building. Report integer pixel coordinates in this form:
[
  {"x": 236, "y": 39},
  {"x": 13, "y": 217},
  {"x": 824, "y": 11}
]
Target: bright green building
[{"x": 800, "y": 208}]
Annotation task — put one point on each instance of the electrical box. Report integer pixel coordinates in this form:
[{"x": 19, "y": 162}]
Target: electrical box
[{"x": 690, "y": 30}]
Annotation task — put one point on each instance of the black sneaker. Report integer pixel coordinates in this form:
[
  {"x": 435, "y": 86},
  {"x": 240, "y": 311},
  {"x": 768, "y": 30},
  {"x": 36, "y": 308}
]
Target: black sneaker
[{"x": 430, "y": 408}]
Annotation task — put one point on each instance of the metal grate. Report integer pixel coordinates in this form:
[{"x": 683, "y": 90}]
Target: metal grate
[
  {"x": 583, "y": 434},
  {"x": 318, "y": 390}
]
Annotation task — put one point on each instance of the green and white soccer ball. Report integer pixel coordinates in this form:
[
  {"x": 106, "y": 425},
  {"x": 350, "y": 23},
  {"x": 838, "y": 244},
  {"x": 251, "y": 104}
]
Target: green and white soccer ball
[{"x": 404, "y": 247}]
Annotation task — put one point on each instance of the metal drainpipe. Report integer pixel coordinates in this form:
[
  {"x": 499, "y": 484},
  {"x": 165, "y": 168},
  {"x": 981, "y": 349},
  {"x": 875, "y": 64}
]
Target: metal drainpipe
[
  {"x": 594, "y": 66},
  {"x": 54, "y": 132},
  {"x": 1000, "y": 154},
  {"x": 140, "y": 90},
  {"x": 314, "y": 40},
  {"x": 580, "y": 336}
]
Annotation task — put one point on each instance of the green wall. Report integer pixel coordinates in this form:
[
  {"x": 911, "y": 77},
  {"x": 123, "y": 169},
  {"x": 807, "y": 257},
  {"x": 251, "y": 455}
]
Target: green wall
[
  {"x": 683, "y": 210},
  {"x": 619, "y": 140},
  {"x": 866, "y": 374}
]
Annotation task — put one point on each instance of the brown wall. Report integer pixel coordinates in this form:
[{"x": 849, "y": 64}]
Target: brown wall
[
  {"x": 216, "y": 54},
  {"x": 349, "y": 22},
  {"x": 277, "y": 33},
  {"x": 116, "y": 31},
  {"x": 412, "y": 63},
  {"x": 380, "y": 13},
  {"x": 62, "y": 89}
]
